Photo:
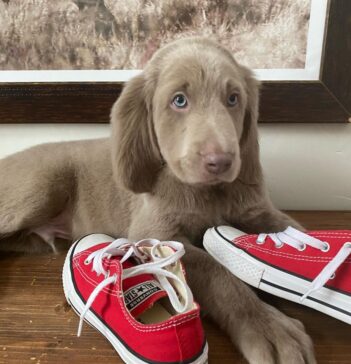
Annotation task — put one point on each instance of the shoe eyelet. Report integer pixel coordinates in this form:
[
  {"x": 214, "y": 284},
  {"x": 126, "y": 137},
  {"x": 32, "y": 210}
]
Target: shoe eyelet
[
  {"x": 86, "y": 262},
  {"x": 302, "y": 248},
  {"x": 332, "y": 276},
  {"x": 326, "y": 247}
]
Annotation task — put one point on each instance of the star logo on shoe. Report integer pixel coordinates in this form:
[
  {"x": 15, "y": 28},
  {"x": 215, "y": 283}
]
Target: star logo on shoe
[{"x": 125, "y": 291}]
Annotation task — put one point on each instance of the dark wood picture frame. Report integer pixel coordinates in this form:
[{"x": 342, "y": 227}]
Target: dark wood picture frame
[{"x": 326, "y": 100}]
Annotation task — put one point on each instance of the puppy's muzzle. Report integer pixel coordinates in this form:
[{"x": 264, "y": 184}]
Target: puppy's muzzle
[{"x": 217, "y": 163}]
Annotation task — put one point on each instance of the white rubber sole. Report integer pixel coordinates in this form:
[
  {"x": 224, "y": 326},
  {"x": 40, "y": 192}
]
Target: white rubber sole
[
  {"x": 78, "y": 305},
  {"x": 275, "y": 281}
]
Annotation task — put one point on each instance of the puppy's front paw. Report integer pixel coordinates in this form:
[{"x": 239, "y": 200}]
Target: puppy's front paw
[{"x": 270, "y": 337}]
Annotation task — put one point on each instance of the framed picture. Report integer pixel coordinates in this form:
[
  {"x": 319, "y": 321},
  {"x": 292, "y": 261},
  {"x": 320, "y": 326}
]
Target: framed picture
[{"x": 66, "y": 61}]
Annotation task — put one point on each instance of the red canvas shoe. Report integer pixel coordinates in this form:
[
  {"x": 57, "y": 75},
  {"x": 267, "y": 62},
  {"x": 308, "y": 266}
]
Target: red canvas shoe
[
  {"x": 136, "y": 295},
  {"x": 312, "y": 268}
]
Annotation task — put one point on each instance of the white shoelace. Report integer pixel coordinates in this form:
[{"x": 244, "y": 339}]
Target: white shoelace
[
  {"x": 300, "y": 240},
  {"x": 156, "y": 266}
]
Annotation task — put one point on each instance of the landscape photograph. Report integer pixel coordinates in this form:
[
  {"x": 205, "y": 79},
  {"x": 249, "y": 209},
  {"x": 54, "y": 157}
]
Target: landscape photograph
[{"x": 123, "y": 35}]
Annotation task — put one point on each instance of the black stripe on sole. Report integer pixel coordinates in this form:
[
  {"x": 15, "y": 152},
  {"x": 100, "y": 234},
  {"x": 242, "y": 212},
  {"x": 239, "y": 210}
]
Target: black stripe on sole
[
  {"x": 307, "y": 298},
  {"x": 191, "y": 360},
  {"x": 279, "y": 268}
]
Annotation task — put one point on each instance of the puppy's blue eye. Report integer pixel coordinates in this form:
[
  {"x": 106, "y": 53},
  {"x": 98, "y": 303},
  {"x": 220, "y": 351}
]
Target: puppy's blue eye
[
  {"x": 232, "y": 100},
  {"x": 180, "y": 101}
]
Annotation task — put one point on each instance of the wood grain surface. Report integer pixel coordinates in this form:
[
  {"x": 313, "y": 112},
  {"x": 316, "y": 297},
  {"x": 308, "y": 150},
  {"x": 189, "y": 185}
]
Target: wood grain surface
[{"x": 37, "y": 326}]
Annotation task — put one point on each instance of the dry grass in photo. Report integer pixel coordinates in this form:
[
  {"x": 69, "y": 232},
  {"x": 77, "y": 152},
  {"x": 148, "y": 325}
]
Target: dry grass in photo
[{"x": 123, "y": 34}]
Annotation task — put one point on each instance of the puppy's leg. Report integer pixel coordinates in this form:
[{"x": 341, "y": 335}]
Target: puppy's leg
[
  {"x": 35, "y": 187},
  {"x": 266, "y": 219},
  {"x": 27, "y": 242},
  {"x": 263, "y": 334}
]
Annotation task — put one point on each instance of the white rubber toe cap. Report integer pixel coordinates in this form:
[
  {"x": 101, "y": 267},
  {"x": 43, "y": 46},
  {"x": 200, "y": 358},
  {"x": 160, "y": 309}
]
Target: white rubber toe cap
[
  {"x": 229, "y": 232},
  {"x": 90, "y": 240}
]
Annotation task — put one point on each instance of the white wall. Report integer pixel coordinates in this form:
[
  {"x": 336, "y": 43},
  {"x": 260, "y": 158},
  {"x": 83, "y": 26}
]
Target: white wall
[{"x": 307, "y": 166}]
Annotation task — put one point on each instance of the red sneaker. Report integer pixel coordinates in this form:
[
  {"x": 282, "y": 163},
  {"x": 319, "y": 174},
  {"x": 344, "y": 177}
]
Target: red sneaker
[
  {"x": 312, "y": 268},
  {"x": 136, "y": 295}
]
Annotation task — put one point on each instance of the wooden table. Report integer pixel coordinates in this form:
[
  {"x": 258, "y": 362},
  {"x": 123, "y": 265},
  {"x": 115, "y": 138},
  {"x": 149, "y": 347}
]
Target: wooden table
[{"x": 37, "y": 326}]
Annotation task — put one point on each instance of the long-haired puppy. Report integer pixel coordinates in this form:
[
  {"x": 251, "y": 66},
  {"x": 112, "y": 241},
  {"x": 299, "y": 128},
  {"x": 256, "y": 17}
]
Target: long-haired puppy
[{"x": 183, "y": 156}]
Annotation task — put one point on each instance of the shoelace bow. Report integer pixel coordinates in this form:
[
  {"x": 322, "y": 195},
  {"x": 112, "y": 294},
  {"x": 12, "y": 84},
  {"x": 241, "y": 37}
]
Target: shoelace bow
[
  {"x": 156, "y": 266},
  {"x": 300, "y": 240}
]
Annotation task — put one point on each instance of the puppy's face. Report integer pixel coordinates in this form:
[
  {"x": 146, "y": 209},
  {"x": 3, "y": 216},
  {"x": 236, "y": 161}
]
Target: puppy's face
[
  {"x": 198, "y": 113},
  {"x": 193, "y": 107}
]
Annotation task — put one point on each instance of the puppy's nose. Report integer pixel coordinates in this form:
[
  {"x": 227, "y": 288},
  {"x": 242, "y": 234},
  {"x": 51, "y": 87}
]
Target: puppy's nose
[{"x": 217, "y": 163}]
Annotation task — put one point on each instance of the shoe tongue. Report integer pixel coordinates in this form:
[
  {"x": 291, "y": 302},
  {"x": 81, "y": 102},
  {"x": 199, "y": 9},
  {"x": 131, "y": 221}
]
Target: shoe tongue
[{"x": 141, "y": 292}]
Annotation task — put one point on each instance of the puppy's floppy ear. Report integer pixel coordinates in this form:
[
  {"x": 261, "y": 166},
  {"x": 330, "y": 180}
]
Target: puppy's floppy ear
[
  {"x": 135, "y": 155},
  {"x": 251, "y": 171}
]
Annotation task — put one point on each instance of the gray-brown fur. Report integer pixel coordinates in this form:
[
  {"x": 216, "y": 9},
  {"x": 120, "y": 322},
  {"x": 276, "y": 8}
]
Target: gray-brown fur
[{"x": 147, "y": 180}]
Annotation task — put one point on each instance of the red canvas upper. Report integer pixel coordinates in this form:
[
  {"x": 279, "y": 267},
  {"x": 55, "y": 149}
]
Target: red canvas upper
[
  {"x": 180, "y": 339},
  {"x": 306, "y": 264}
]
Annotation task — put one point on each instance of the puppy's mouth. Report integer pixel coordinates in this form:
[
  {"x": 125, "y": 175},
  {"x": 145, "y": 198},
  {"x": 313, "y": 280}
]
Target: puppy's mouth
[
  {"x": 197, "y": 174},
  {"x": 204, "y": 178},
  {"x": 211, "y": 179}
]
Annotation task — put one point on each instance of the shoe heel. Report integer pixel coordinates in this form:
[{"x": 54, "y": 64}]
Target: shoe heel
[{"x": 230, "y": 257}]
